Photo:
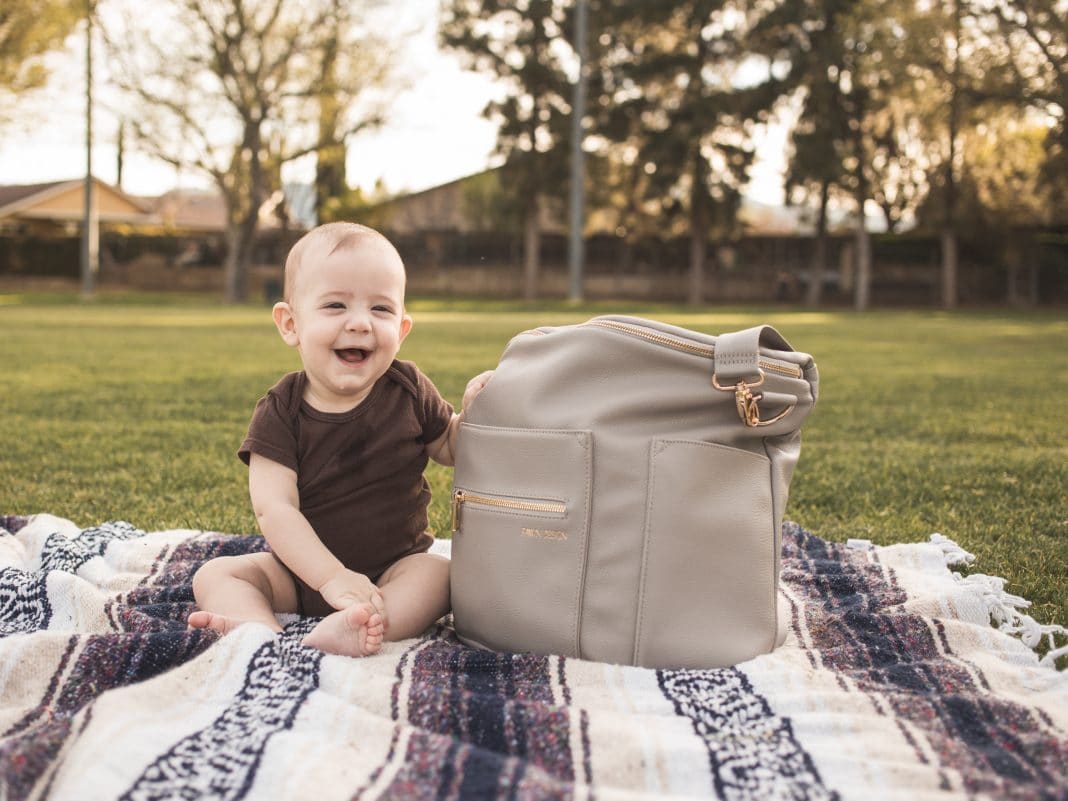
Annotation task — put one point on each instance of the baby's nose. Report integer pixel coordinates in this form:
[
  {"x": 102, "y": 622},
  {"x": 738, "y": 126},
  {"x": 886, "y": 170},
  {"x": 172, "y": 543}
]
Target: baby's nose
[{"x": 358, "y": 320}]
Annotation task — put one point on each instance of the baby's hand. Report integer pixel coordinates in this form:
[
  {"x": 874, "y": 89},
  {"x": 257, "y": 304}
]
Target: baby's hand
[
  {"x": 347, "y": 587},
  {"x": 475, "y": 386}
]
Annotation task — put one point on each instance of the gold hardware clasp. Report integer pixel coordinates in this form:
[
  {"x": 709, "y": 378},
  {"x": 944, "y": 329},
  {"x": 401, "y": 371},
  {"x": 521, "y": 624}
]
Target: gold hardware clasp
[
  {"x": 457, "y": 499},
  {"x": 748, "y": 404}
]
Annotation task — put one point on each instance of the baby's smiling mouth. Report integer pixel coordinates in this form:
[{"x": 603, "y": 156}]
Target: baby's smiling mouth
[{"x": 352, "y": 355}]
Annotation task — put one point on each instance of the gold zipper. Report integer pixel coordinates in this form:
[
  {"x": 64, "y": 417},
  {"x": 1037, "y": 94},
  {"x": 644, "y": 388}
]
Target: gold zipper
[
  {"x": 653, "y": 336},
  {"x": 460, "y": 497},
  {"x": 706, "y": 351}
]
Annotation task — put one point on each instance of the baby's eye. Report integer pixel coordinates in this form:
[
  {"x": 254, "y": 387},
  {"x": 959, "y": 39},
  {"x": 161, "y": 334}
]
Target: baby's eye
[
  {"x": 386, "y": 309},
  {"x": 335, "y": 305}
]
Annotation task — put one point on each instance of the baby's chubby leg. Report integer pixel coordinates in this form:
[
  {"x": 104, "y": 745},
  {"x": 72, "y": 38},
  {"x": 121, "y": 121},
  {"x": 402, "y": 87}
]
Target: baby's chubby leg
[
  {"x": 415, "y": 590},
  {"x": 231, "y": 590}
]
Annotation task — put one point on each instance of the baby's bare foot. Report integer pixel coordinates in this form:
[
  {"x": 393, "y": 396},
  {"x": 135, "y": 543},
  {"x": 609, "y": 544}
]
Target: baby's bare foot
[
  {"x": 355, "y": 631},
  {"x": 210, "y": 620}
]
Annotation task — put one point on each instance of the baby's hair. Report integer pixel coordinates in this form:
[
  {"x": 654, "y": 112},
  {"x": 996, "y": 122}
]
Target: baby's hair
[{"x": 329, "y": 238}]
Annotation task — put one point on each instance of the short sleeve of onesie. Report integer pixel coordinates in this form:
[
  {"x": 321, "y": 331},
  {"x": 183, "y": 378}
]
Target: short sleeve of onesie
[
  {"x": 433, "y": 411},
  {"x": 271, "y": 431}
]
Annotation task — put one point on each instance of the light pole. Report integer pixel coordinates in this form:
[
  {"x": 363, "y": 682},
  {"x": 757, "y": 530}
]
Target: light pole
[
  {"x": 575, "y": 254},
  {"x": 90, "y": 234}
]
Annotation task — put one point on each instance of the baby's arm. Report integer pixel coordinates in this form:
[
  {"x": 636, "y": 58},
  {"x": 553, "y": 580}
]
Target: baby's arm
[
  {"x": 276, "y": 502},
  {"x": 443, "y": 449}
]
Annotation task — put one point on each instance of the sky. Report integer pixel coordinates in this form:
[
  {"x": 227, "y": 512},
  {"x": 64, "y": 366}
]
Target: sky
[{"x": 435, "y": 132}]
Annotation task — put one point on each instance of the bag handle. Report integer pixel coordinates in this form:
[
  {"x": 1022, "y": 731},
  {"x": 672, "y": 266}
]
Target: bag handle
[{"x": 736, "y": 368}]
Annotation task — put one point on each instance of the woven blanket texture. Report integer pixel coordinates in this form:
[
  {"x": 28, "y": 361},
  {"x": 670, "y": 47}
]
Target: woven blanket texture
[{"x": 892, "y": 684}]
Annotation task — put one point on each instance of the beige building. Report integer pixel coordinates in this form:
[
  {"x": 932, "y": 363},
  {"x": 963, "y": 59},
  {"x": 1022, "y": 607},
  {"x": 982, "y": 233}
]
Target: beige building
[
  {"x": 57, "y": 208},
  {"x": 466, "y": 205}
]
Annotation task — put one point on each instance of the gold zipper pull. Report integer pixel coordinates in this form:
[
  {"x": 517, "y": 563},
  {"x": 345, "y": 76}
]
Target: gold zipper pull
[{"x": 457, "y": 499}]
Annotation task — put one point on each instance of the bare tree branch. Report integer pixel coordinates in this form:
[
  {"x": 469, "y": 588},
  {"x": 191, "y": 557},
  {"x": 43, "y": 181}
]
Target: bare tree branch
[{"x": 235, "y": 96}]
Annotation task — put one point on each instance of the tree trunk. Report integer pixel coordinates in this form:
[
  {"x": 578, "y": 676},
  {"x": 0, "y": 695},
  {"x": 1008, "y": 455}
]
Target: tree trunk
[
  {"x": 695, "y": 294},
  {"x": 531, "y": 251},
  {"x": 239, "y": 238},
  {"x": 949, "y": 227},
  {"x": 1021, "y": 260},
  {"x": 1012, "y": 296},
  {"x": 818, "y": 268},
  {"x": 862, "y": 288},
  {"x": 949, "y": 267},
  {"x": 244, "y": 188},
  {"x": 330, "y": 178},
  {"x": 1032, "y": 284}
]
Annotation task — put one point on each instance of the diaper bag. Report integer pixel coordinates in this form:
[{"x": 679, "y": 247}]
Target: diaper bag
[{"x": 619, "y": 493}]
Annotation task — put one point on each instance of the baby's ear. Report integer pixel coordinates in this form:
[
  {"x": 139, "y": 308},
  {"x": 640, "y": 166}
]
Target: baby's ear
[
  {"x": 405, "y": 326},
  {"x": 285, "y": 323}
]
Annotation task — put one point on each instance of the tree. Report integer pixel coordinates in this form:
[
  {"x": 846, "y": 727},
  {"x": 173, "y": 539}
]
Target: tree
[
  {"x": 876, "y": 158},
  {"x": 678, "y": 120},
  {"x": 897, "y": 83},
  {"x": 815, "y": 168},
  {"x": 1036, "y": 33},
  {"x": 525, "y": 45},
  {"x": 822, "y": 52},
  {"x": 233, "y": 89},
  {"x": 330, "y": 175},
  {"x": 954, "y": 75},
  {"x": 342, "y": 57},
  {"x": 802, "y": 43},
  {"x": 29, "y": 31},
  {"x": 1001, "y": 191},
  {"x": 1003, "y": 178}
]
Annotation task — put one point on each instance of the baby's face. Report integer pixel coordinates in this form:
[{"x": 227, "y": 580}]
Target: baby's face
[{"x": 349, "y": 320}]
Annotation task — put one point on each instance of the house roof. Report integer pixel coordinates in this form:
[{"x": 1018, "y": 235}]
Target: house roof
[
  {"x": 13, "y": 195},
  {"x": 190, "y": 209},
  {"x": 62, "y": 200},
  {"x": 205, "y": 209},
  {"x": 439, "y": 208}
]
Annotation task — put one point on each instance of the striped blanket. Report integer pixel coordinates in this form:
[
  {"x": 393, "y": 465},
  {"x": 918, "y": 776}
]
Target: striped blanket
[{"x": 892, "y": 685}]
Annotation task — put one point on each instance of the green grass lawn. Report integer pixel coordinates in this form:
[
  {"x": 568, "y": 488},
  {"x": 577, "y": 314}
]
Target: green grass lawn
[{"x": 132, "y": 408}]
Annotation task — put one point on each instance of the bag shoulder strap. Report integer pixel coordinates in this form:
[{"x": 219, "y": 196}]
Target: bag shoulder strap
[{"x": 737, "y": 354}]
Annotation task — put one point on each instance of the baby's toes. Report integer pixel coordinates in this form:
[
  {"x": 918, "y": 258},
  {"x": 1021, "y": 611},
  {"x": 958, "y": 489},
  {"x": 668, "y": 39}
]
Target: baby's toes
[{"x": 359, "y": 615}]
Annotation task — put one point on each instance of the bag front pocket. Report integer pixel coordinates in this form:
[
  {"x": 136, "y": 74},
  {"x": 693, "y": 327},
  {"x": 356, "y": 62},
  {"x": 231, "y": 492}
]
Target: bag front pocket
[
  {"x": 709, "y": 583},
  {"x": 520, "y": 517}
]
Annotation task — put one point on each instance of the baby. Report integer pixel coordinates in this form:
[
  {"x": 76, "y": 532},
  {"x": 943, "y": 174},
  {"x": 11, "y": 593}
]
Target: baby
[{"x": 336, "y": 454}]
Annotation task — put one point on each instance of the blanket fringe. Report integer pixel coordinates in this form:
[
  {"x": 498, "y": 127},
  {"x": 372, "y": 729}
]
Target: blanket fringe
[
  {"x": 1004, "y": 607},
  {"x": 951, "y": 552}
]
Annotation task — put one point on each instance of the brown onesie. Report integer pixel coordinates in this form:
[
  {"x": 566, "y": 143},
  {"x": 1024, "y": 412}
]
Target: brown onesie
[{"x": 359, "y": 473}]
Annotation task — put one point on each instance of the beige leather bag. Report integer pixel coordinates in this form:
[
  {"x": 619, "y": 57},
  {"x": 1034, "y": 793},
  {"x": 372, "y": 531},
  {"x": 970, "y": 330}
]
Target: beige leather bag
[{"x": 619, "y": 493}]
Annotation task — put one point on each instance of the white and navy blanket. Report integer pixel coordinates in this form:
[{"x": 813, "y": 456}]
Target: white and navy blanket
[{"x": 892, "y": 684}]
